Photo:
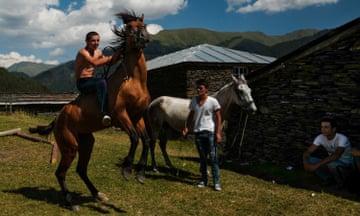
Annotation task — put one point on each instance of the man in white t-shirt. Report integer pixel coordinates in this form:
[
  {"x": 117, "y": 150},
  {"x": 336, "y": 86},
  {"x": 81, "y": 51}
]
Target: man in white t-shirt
[
  {"x": 205, "y": 116},
  {"x": 339, "y": 162}
]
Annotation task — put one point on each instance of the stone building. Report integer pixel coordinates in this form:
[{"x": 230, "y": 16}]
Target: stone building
[
  {"x": 175, "y": 74},
  {"x": 295, "y": 91}
]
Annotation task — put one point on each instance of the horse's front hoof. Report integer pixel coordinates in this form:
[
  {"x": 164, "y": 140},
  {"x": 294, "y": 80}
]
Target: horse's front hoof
[
  {"x": 75, "y": 208},
  {"x": 126, "y": 172},
  {"x": 140, "y": 177},
  {"x": 102, "y": 197},
  {"x": 69, "y": 201}
]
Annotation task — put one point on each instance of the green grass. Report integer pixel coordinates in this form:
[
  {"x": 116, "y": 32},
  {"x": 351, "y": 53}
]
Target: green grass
[{"x": 28, "y": 185}]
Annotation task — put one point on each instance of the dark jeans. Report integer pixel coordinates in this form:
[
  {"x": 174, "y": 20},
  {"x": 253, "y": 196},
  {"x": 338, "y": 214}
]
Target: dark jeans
[
  {"x": 86, "y": 85},
  {"x": 205, "y": 144},
  {"x": 337, "y": 170}
]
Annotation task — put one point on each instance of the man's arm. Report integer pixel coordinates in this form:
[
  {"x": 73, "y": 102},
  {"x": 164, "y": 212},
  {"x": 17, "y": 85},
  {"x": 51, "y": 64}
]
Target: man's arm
[
  {"x": 96, "y": 60},
  {"x": 339, "y": 151},
  {"x": 312, "y": 167},
  {"x": 116, "y": 57},
  {"x": 306, "y": 155},
  {"x": 188, "y": 123},
  {"x": 218, "y": 126}
]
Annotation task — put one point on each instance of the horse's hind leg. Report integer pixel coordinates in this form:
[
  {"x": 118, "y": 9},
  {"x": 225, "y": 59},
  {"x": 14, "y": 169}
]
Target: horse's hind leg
[
  {"x": 86, "y": 143},
  {"x": 152, "y": 153},
  {"x": 162, "y": 143},
  {"x": 68, "y": 150}
]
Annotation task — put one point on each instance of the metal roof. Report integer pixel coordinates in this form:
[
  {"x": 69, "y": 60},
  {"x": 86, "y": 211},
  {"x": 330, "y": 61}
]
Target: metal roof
[{"x": 209, "y": 54}]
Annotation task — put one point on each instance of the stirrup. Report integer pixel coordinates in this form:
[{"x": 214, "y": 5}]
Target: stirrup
[{"x": 106, "y": 121}]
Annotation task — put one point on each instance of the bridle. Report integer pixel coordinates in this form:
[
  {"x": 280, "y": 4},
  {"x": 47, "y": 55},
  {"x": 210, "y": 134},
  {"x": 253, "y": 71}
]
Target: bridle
[{"x": 139, "y": 39}]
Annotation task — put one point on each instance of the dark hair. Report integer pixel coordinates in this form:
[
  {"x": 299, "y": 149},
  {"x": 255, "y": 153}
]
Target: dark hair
[
  {"x": 330, "y": 119},
  {"x": 202, "y": 82},
  {"x": 90, "y": 34}
]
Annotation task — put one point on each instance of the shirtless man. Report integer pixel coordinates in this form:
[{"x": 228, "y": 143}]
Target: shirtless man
[{"x": 86, "y": 60}]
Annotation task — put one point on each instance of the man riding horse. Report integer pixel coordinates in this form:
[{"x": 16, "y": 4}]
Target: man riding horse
[
  {"x": 128, "y": 99},
  {"x": 86, "y": 60}
]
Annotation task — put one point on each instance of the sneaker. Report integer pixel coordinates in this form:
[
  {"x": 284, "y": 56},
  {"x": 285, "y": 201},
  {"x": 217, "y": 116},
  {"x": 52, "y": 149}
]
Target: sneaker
[
  {"x": 201, "y": 184},
  {"x": 217, "y": 187},
  {"x": 106, "y": 121}
]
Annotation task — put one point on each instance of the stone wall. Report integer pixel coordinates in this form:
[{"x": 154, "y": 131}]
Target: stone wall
[
  {"x": 295, "y": 93},
  {"x": 179, "y": 80}
]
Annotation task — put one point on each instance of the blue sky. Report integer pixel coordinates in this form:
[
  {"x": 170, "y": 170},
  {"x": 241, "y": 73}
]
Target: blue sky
[{"x": 51, "y": 31}]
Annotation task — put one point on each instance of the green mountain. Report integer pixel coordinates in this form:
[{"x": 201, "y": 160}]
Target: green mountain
[
  {"x": 61, "y": 78},
  {"x": 29, "y": 68},
  {"x": 256, "y": 42},
  {"x": 10, "y": 83}
]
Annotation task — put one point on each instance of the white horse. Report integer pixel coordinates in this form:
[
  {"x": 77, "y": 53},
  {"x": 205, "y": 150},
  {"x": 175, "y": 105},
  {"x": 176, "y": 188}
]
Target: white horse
[{"x": 165, "y": 111}]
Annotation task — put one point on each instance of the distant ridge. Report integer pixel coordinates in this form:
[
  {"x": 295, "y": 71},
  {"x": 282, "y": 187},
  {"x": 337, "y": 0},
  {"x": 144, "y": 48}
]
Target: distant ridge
[
  {"x": 29, "y": 68},
  {"x": 169, "y": 41}
]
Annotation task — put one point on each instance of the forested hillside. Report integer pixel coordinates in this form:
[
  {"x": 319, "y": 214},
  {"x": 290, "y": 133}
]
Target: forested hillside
[{"x": 14, "y": 84}]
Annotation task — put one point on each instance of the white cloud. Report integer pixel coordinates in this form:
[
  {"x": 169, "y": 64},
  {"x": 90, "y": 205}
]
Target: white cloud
[
  {"x": 154, "y": 28},
  {"x": 272, "y": 6},
  {"x": 57, "y": 52},
  {"x": 6, "y": 60},
  {"x": 42, "y": 25},
  {"x": 52, "y": 62}
]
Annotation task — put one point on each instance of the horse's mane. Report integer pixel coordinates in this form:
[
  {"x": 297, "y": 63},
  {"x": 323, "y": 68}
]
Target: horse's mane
[
  {"x": 127, "y": 16},
  {"x": 240, "y": 79},
  {"x": 222, "y": 88}
]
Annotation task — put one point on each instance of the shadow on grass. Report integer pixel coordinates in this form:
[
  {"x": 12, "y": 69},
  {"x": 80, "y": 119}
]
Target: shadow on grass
[
  {"x": 169, "y": 174},
  {"x": 52, "y": 196},
  {"x": 173, "y": 174},
  {"x": 295, "y": 177}
]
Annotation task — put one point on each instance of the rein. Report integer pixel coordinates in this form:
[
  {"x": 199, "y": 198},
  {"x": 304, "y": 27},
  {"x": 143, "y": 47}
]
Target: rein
[
  {"x": 107, "y": 68},
  {"x": 242, "y": 134}
]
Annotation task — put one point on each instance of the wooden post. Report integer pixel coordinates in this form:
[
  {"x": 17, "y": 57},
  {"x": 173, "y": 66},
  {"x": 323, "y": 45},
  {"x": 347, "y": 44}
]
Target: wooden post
[
  {"x": 35, "y": 139},
  {"x": 54, "y": 153},
  {"x": 10, "y": 132}
]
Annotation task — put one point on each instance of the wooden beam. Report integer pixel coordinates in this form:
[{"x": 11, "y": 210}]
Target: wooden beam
[
  {"x": 10, "y": 132},
  {"x": 35, "y": 139}
]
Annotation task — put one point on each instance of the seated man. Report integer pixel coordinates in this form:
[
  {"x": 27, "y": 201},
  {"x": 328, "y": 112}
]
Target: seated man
[
  {"x": 86, "y": 60},
  {"x": 339, "y": 163}
]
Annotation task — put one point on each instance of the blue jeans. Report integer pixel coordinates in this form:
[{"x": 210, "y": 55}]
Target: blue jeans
[
  {"x": 85, "y": 85},
  {"x": 337, "y": 170},
  {"x": 205, "y": 144}
]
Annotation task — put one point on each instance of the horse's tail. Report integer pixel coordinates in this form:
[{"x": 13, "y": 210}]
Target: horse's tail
[{"x": 43, "y": 130}]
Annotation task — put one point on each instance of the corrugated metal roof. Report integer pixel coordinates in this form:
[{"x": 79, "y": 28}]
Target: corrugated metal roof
[{"x": 210, "y": 54}]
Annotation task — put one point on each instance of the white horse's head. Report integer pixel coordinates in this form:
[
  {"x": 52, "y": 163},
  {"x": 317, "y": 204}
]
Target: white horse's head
[{"x": 243, "y": 94}]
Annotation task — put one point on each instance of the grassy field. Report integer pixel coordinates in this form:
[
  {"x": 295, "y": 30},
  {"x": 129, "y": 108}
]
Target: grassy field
[{"x": 28, "y": 185}]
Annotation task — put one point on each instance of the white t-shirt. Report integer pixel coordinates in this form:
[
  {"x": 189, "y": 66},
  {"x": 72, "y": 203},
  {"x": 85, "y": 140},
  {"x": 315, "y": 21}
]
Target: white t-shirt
[
  {"x": 204, "y": 115},
  {"x": 330, "y": 145}
]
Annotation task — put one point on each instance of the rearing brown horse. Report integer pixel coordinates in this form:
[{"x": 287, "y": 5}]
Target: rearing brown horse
[{"x": 128, "y": 100}]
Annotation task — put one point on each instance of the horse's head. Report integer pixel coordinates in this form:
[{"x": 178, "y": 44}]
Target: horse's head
[
  {"x": 134, "y": 32},
  {"x": 243, "y": 93}
]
